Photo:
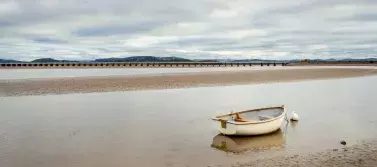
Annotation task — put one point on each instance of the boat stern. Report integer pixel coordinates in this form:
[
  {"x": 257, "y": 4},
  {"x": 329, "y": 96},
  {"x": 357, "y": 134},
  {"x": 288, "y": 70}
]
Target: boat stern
[{"x": 224, "y": 127}]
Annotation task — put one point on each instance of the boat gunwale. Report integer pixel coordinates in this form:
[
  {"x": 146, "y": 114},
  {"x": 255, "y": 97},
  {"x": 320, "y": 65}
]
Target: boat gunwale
[{"x": 217, "y": 118}]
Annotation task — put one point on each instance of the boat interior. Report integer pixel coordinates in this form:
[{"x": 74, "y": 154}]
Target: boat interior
[{"x": 253, "y": 115}]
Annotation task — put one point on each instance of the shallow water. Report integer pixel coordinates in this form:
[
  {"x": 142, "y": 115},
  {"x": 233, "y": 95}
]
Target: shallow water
[
  {"x": 172, "y": 127},
  {"x": 6, "y": 74}
]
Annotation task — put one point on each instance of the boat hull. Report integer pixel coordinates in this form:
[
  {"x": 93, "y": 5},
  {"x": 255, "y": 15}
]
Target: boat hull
[{"x": 249, "y": 129}]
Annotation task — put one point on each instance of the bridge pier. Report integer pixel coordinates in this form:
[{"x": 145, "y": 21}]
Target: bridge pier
[{"x": 142, "y": 64}]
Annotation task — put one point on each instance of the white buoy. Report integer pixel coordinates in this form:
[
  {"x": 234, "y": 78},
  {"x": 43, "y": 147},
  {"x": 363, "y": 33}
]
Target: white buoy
[{"x": 294, "y": 116}]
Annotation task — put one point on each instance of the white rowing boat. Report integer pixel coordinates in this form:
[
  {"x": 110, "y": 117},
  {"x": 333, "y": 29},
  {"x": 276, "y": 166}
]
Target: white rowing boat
[{"x": 251, "y": 122}]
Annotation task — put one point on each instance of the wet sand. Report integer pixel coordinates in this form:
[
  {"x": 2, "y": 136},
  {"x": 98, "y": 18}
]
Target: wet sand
[
  {"x": 88, "y": 130},
  {"x": 364, "y": 154},
  {"x": 24, "y": 87}
]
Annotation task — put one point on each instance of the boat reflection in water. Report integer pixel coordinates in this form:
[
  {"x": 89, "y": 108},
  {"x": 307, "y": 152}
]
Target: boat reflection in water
[{"x": 239, "y": 144}]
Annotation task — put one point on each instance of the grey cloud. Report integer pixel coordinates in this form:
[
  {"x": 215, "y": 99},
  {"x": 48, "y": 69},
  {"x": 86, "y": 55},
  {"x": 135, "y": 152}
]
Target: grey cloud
[
  {"x": 299, "y": 7},
  {"x": 116, "y": 29},
  {"x": 39, "y": 11},
  {"x": 78, "y": 29},
  {"x": 46, "y": 40},
  {"x": 202, "y": 41},
  {"x": 361, "y": 17},
  {"x": 5, "y": 24}
]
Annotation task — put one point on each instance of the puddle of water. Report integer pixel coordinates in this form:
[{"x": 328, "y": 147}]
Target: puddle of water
[{"x": 173, "y": 127}]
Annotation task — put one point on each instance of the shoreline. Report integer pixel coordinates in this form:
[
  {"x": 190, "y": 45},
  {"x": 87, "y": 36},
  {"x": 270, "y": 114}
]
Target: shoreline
[{"x": 26, "y": 87}]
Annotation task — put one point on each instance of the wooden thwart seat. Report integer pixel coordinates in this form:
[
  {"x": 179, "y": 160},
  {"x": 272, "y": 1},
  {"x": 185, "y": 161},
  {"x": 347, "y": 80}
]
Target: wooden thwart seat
[{"x": 240, "y": 119}]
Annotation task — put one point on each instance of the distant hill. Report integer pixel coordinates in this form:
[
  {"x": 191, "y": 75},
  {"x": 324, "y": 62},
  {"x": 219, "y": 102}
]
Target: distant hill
[
  {"x": 45, "y": 60},
  {"x": 254, "y": 60},
  {"x": 50, "y": 60},
  {"x": 343, "y": 60},
  {"x": 178, "y": 59},
  {"x": 206, "y": 60},
  {"x": 9, "y": 61},
  {"x": 143, "y": 59},
  {"x": 357, "y": 60}
]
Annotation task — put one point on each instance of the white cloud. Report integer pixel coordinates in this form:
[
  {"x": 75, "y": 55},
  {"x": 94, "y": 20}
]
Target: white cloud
[
  {"x": 221, "y": 14},
  {"x": 8, "y": 7},
  {"x": 317, "y": 47}
]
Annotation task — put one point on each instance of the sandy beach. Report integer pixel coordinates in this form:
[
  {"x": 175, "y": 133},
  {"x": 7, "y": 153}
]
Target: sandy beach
[{"x": 24, "y": 87}]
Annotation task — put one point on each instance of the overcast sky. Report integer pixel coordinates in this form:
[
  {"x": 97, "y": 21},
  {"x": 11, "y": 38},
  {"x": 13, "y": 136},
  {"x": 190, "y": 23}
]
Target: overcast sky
[{"x": 267, "y": 29}]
